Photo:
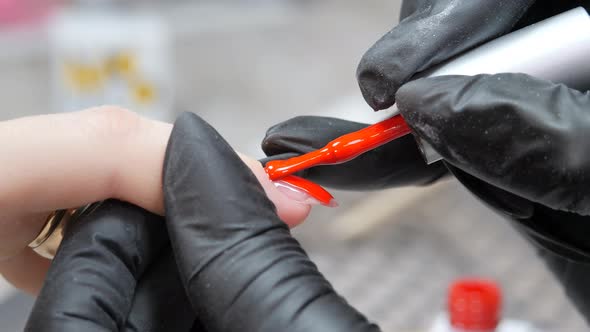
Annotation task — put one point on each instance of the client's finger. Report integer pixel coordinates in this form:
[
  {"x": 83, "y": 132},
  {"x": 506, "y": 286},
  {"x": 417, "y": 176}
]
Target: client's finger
[
  {"x": 67, "y": 160},
  {"x": 27, "y": 260}
]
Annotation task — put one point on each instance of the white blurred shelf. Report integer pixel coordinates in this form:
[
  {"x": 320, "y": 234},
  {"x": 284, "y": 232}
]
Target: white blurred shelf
[
  {"x": 22, "y": 43},
  {"x": 185, "y": 19}
]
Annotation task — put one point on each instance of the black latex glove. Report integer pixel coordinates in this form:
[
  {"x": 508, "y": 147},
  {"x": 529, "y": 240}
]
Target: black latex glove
[
  {"x": 114, "y": 271},
  {"x": 240, "y": 266},
  {"x": 521, "y": 144},
  {"x": 432, "y": 31},
  {"x": 534, "y": 191}
]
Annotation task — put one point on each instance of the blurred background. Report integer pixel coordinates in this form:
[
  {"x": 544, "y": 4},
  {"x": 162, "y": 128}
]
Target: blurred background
[{"x": 245, "y": 65}]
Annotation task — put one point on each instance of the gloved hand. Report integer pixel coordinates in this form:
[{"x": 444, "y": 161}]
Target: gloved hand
[
  {"x": 239, "y": 267},
  {"x": 430, "y": 32},
  {"x": 545, "y": 202},
  {"x": 520, "y": 144},
  {"x": 114, "y": 271}
]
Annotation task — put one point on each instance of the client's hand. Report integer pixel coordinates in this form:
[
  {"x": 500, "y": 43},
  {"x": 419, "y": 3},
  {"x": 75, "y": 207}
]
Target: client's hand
[
  {"x": 64, "y": 161},
  {"x": 237, "y": 267}
]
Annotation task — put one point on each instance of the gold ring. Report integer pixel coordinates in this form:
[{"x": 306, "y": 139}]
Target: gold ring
[{"x": 52, "y": 233}]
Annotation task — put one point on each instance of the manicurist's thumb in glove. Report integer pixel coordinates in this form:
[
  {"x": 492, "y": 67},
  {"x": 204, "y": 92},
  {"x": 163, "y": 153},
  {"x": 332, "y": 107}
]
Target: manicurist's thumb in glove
[
  {"x": 521, "y": 145},
  {"x": 240, "y": 266},
  {"x": 524, "y": 135}
]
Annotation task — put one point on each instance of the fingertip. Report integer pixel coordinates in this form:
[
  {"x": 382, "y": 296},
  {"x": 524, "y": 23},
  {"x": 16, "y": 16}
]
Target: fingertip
[
  {"x": 293, "y": 135},
  {"x": 376, "y": 89},
  {"x": 291, "y": 212},
  {"x": 276, "y": 139}
]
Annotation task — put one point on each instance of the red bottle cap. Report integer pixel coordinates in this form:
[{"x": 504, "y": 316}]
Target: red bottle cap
[{"x": 474, "y": 304}]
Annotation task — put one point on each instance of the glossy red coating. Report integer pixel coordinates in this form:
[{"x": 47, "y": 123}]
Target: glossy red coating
[
  {"x": 342, "y": 149},
  {"x": 312, "y": 189}
]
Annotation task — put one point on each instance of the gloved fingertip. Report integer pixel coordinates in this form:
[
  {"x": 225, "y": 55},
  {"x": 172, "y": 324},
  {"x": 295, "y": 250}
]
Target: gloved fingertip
[
  {"x": 277, "y": 138},
  {"x": 194, "y": 143},
  {"x": 377, "y": 90},
  {"x": 303, "y": 134},
  {"x": 272, "y": 144},
  {"x": 291, "y": 126}
]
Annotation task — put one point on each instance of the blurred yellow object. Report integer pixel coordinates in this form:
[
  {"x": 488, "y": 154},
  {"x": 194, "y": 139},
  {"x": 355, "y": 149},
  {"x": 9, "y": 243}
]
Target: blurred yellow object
[
  {"x": 118, "y": 56},
  {"x": 84, "y": 78},
  {"x": 144, "y": 93},
  {"x": 123, "y": 63}
]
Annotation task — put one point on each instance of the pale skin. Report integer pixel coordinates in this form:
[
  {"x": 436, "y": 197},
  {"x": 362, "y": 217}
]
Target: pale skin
[{"x": 67, "y": 160}]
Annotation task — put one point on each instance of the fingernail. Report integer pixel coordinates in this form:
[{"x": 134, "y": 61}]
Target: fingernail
[
  {"x": 295, "y": 193},
  {"x": 298, "y": 195}
]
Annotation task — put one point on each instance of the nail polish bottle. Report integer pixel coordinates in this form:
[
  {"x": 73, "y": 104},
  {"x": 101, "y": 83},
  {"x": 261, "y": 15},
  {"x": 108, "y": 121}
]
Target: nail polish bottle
[
  {"x": 111, "y": 52},
  {"x": 475, "y": 305}
]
